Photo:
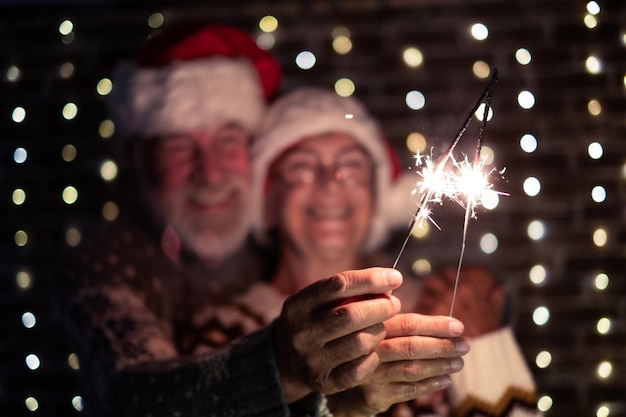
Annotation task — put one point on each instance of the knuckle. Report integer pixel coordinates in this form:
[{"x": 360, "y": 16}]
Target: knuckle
[{"x": 338, "y": 283}]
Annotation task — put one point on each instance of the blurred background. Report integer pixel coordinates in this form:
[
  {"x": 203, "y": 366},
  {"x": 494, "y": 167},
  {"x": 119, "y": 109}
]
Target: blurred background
[{"x": 558, "y": 127}]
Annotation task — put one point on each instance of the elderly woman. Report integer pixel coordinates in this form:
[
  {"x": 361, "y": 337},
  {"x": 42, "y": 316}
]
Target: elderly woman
[{"x": 326, "y": 180}]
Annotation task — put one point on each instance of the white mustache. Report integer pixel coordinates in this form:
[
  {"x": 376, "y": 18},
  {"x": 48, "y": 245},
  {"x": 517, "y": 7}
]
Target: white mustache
[{"x": 208, "y": 196}]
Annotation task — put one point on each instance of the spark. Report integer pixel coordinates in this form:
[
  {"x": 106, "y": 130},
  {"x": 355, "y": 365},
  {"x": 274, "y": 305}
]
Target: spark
[{"x": 463, "y": 182}]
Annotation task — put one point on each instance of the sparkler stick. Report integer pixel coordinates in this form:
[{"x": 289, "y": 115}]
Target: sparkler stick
[{"x": 436, "y": 184}]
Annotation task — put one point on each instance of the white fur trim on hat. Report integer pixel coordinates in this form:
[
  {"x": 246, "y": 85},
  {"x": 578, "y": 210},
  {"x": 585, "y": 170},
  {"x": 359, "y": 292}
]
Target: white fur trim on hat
[
  {"x": 186, "y": 95},
  {"x": 312, "y": 111}
]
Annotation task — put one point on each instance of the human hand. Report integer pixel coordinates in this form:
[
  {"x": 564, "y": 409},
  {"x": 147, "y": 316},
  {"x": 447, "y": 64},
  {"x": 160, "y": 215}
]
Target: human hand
[
  {"x": 416, "y": 357},
  {"x": 479, "y": 303},
  {"x": 327, "y": 333}
]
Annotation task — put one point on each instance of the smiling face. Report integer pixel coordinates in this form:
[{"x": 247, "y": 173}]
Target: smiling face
[
  {"x": 321, "y": 196},
  {"x": 202, "y": 186}
]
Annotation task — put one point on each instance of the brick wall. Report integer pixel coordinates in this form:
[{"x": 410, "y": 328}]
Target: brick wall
[{"x": 553, "y": 31}]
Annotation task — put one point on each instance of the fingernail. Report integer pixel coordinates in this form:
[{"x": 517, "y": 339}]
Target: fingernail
[
  {"x": 456, "y": 328},
  {"x": 393, "y": 276},
  {"x": 396, "y": 303},
  {"x": 462, "y": 345},
  {"x": 444, "y": 382},
  {"x": 456, "y": 364}
]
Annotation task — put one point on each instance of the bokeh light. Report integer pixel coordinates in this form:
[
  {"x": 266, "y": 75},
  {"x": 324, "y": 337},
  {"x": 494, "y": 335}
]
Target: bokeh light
[
  {"x": 595, "y": 150},
  {"x": 268, "y": 24},
  {"x": 69, "y": 153},
  {"x": 532, "y": 186},
  {"x": 13, "y": 74},
  {"x": 604, "y": 369},
  {"x": 537, "y": 274},
  {"x": 489, "y": 243},
  {"x": 598, "y": 194},
  {"x": 594, "y": 107},
  {"x": 536, "y": 230},
  {"x": 415, "y": 100},
  {"x": 106, "y": 129},
  {"x": 70, "y": 110},
  {"x": 104, "y": 86},
  {"x": 601, "y": 281},
  {"x": 479, "y": 31},
  {"x": 528, "y": 143},
  {"x": 541, "y": 315},
  {"x": 603, "y": 325},
  {"x": 66, "y": 70},
  {"x": 20, "y": 155},
  {"x": 32, "y": 361},
  {"x": 156, "y": 20},
  {"x": 305, "y": 60},
  {"x": 413, "y": 57},
  {"x": 481, "y": 69},
  {"x": 593, "y": 65},
  {"x": 421, "y": 267},
  {"x": 69, "y": 195},
  {"x": 543, "y": 359},
  {"x": 344, "y": 87},
  {"x": 545, "y": 403},
  {"x": 66, "y": 27},
  {"x": 108, "y": 170},
  {"x": 342, "y": 44},
  {"x": 18, "y": 196},
  {"x": 600, "y": 237},
  {"x": 19, "y": 114},
  {"x": 416, "y": 142},
  {"x": 526, "y": 99},
  {"x": 523, "y": 56},
  {"x": 29, "y": 320}
]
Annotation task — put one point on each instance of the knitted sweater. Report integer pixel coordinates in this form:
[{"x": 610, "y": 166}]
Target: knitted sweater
[{"x": 154, "y": 334}]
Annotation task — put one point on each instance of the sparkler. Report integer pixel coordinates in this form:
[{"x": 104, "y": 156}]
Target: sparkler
[{"x": 462, "y": 182}]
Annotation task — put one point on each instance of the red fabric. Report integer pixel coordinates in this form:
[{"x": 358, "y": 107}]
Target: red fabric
[{"x": 201, "y": 40}]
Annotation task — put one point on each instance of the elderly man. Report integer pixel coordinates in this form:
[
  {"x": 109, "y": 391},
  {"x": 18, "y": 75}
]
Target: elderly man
[{"x": 150, "y": 302}]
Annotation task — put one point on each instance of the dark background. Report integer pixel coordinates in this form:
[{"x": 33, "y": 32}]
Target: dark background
[{"x": 554, "y": 32}]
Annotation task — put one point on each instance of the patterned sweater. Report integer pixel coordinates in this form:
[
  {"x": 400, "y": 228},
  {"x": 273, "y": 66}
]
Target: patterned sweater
[
  {"x": 157, "y": 337},
  {"x": 152, "y": 334}
]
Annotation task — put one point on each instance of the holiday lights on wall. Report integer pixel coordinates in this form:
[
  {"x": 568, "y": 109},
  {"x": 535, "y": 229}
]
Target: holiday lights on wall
[{"x": 343, "y": 44}]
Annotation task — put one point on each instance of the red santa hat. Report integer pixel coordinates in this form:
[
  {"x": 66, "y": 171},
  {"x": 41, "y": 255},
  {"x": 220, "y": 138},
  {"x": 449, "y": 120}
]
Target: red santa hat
[
  {"x": 312, "y": 111},
  {"x": 191, "y": 77}
]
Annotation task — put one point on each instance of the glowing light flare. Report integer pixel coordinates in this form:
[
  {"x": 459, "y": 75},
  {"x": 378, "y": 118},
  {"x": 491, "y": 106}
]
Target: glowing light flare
[
  {"x": 31, "y": 403},
  {"x": 545, "y": 403},
  {"x": 32, "y": 361},
  {"x": 156, "y": 20},
  {"x": 479, "y": 31},
  {"x": 601, "y": 281},
  {"x": 593, "y": 7},
  {"x": 600, "y": 237},
  {"x": 305, "y": 60},
  {"x": 595, "y": 150},
  {"x": 345, "y": 87},
  {"x": 604, "y": 369},
  {"x": 541, "y": 315},
  {"x": 603, "y": 326},
  {"x": 543, "y": 359},
  {"x": 342, "y": 45},
  {"x": 20, "y": 155},
  {"x": 413, "y": 57},
  {"x": 537, "y": 274},
  {"x": 593, "y": 64},
  {"x": 268, "y": 24},
  {"x": 603, "y": 411},
  {"x": 462, "y": 182}
]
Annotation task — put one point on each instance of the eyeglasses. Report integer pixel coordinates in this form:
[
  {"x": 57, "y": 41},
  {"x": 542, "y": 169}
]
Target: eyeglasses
[{"x": 350, "y": 168}]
